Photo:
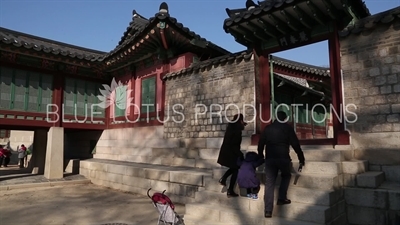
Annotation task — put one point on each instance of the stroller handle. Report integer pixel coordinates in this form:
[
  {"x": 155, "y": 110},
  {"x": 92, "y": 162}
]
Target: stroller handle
[{"x": 148, "y": 191}]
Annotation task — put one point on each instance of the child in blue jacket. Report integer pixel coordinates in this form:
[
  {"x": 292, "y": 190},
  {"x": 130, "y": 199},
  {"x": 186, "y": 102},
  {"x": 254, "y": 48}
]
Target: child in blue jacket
[{"x": 247, "y": 177}]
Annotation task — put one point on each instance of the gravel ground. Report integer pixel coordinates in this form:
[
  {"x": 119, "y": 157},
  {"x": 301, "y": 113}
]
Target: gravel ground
[{"x": 76, "y": 205}]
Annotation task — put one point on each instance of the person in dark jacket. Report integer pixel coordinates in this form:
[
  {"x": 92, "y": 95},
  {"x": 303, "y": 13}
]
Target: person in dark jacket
[
  {"x": 7, "y": 155},
  {"x": 276, "y": 139},
  {"x": 247, "y": 177},
  {"x": 230, "y": 152}
]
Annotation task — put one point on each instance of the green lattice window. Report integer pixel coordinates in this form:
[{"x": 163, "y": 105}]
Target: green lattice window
[
  {"x": 148, "y": 94},
  {"x": 120, "y": 100},
  {"x": 80, "y": 98},
  {"x": 319, "y": 116},
  {"x": 25, "y": 90}
]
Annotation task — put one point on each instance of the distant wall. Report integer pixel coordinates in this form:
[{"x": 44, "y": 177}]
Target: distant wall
[
  {"x": 218, "y": 88},
  {"x": 371, "y": 75}
]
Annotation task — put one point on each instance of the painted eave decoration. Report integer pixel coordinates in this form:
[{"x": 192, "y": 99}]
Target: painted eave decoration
[
  {"x": 162, "y": 36},
  {"x": 269, "y": 20}
]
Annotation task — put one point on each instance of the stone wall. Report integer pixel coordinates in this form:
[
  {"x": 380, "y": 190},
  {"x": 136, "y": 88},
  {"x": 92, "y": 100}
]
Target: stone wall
[
  {"x": 198, "y": 98},
  {"x": 371, "y": 77}
]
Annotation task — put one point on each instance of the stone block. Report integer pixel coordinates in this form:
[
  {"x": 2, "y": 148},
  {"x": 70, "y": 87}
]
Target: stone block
[
  {"x": 374, "y": 72},
  {"x": 370, "y": 179},
  {"x": 135, "y": 181},
  {"x": 186, "y": 178},
  {"x": 190, "y": 153},
  {"x": 386, "y": 89},
  {"x": 354, "y": 167},
  {"x": 194, "y": 143},
  {"x": 154, "y": 174},
  {"x": 371, "y": 198},
  {"x": 394, "y": 199},
  {"x": 392, "y": 79},
  {"x": 396, "y": 88},
  {"x": 183, "y": 190},
  {"x": 98, "y": 166},
  {"x": 84, "y": 172},
  {"x": 394, "y": 118},
  {"x": 135, "y": 171},
  {"x": 365, "y": 216},
  {"x": 395, "y": 108},
  {"x": 392, "y": 173},
  {"x": 213, "y": 143},
  {"x": 349, "y": 180},
  {"x": 209, "y": 153},
  {"x": 116, "y": 169},
  {"x": 207, "y": 163}
]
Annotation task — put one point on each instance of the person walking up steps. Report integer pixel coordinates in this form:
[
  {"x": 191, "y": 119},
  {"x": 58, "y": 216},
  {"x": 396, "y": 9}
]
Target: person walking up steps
[
  {"x": 230, "y": 152},
  {"x": 247, "y": 177},
  {"x": 276, "y": 140}
]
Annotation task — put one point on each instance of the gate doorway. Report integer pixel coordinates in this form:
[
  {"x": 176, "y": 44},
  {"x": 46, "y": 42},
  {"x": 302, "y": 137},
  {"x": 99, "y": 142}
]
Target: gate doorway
[{"x": 273, "y": 26}]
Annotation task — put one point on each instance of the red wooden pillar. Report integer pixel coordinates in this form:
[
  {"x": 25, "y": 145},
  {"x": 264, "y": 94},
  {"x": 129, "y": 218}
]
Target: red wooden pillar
[
  {"x": 341, "y": 136},
  {"x": 57, "y": 101},
  {"x": 263, "y": 94}
]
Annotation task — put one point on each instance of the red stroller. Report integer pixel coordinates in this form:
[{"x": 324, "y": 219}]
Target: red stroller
[{"x": 165, "y": 207}]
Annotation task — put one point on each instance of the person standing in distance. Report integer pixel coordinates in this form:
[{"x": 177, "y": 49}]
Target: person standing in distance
[
  {"x": 276, "y": 140},
  {"x": 230, "y": 152}
]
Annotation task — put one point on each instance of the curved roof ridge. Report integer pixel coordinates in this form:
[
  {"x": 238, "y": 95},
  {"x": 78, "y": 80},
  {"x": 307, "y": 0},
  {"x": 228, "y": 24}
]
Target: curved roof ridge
[
  {"x": 16, "y": 34},
  {"x": 370, "y": 22},
  {"x": 300, "y": 63},
  {"x": 138, "y": 21}
]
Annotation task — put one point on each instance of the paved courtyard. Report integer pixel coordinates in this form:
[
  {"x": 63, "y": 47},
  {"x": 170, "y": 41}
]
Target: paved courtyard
[{"x": 76, "y": 205}]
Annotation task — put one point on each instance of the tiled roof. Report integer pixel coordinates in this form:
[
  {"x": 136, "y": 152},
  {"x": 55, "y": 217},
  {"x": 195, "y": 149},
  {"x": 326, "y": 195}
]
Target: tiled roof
[
  {"x": 237, "y": 16},
  {"x": 243, "y": 55},
  {"x": 39, "y": 44},
  {"x": 140, "y": 26},
  {"x": 372, "y": 21},
  {"x": 297, "y": 80},
  {"x": 320, "y": 71},
  {"x": 300, "y": 82},
  {"x": 246, "y": 55},
  {"x": 136, "y": 25}
]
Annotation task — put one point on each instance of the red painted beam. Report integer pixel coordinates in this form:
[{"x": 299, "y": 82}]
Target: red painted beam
[{"x": 341, "y": 136}]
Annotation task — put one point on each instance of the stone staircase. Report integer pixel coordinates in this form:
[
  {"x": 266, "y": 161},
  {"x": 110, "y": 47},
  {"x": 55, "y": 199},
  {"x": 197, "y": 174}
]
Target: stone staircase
[
  {"x": 317, "y": 194},
  {"x": 333, "y": 188}
]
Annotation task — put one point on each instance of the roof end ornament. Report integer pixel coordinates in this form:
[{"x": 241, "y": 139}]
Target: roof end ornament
[
  {"x": 164, "y": 8},
  {"x": 250, "y": 5}
]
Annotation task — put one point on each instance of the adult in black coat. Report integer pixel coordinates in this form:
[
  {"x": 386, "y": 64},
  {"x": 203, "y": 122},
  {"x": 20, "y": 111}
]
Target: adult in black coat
[
  {"x": 230, "y": 152},
  {"x": 276, "y": 140}
]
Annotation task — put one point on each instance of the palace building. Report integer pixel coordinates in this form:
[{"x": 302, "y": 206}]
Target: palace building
[{"x": 153, "y": 111}]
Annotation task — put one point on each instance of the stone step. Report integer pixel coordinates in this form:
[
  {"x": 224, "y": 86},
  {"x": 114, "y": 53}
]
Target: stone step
[
  {"x": 184, "y": 175},
  {"x": 295, "y": 194},
  {"x": 325, "y": 155},
  {"x": 189, "y": 220},
  {"x": 370, "y": 179},
  {"x": 325, "y": 168},
  {"x": 315, "y": 181},
  {"x": 182, "y": 182},
  {"x": 254, "y": 213}
]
